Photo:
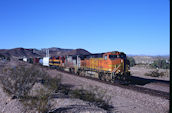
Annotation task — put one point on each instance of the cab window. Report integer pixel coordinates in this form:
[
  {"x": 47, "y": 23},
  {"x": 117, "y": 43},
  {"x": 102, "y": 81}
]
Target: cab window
[
  {"x": 112, "y": 57},
  {"x": 105, "y": 57},
  {"x": 122, "y": 56}
]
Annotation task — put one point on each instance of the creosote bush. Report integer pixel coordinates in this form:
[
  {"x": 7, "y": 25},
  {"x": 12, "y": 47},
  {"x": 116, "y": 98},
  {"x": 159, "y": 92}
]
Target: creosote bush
[
  {"x": 94, "y": 95},
  {"x": 160, "y": 64},
  {"x": 155, "y": 74},
  {"x": 19, "y": 80},
  {"x": 39, "y": 103}
]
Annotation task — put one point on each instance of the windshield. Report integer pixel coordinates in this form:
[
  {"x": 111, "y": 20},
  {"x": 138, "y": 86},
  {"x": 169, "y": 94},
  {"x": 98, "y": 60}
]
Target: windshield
[
  {"x": 122, "y": 56},
  {"x": 117, "y": 56},
  {"x": 112, "y": 56}
]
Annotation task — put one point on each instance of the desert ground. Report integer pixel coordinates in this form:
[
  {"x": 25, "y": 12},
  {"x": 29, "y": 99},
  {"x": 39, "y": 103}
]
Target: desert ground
[{"x": 120, "y": 100}]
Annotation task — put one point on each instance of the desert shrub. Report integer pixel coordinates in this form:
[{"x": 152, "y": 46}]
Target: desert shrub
[
  {"x": 20, "y": 79},
  {"x": 93, "y": 95},
  {"x": 132, "y": 61},
  {"x": 8, "y": 58},
  {"x": 39, "y": 103},
  {"x": 2, "y": 56},
  {"x": 65, "y": 89},
  {"x": 155, "y": 74},
  {"x": 52, "y": 84},
  {"x": 160, "y": 64}
]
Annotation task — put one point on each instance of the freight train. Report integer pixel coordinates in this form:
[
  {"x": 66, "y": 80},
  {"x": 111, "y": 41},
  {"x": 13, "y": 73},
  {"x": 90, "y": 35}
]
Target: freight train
[{"x": 108, "y": 66}]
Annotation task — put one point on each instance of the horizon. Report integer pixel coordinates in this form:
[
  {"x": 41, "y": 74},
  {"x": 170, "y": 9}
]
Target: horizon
[
  {"x": 94, "y": 53},
  {"x": 133, "y": 27}
]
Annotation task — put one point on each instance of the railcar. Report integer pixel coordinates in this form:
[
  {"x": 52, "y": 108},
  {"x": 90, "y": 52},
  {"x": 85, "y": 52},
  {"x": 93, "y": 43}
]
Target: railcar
[
  {"x": 36, "y": 60},
  {"x": 72, "y": 63},
  {"x": 45, "y": 61},
  {"x": 30, "y": 60},
  {"x": 57, "y": 62}
]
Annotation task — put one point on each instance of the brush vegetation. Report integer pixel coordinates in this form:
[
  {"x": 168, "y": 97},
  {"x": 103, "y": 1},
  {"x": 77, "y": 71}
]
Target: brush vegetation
[
  {"x": 155, "y": 73},
  {"x": 19, "y": 80}
]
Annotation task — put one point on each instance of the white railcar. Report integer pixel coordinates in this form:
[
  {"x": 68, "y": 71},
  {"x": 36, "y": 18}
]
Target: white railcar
[{"x": 46, "y": 61}]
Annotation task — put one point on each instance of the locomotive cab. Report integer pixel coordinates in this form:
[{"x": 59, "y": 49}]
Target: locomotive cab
[{"x": 117, "y": 62}]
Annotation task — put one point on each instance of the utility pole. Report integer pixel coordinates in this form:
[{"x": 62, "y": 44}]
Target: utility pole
[{"x": 47, "y": 53}]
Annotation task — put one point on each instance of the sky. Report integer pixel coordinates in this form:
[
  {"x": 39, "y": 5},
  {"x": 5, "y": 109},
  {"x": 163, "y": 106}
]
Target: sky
[{"x": 131, "y": 26}]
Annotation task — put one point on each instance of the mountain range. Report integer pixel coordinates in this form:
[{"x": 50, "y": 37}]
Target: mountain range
[
  {"x": 54, "y": 51},
  {"x": 23, "y": 52}
]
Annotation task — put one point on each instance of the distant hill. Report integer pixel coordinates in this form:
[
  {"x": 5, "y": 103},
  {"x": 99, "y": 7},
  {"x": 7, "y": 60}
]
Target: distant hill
[
  {"x": 62, "y": 52},
  {"x": 19, "y": 52},
  {"x": 147, "y": 59},
  {"x": 23, "y": 52},
  {"x": 77, "y": 52}
]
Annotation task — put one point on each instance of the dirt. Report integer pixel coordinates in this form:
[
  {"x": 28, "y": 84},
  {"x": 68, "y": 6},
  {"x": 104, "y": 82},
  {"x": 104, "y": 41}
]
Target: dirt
[
  {"x": 58, "y": 104},
  {"x": 9, "y": 105},
  {"x": 140, "y": 70},
  {"x": 122, "y": 100},
  {"x": 157, "y": 83}
]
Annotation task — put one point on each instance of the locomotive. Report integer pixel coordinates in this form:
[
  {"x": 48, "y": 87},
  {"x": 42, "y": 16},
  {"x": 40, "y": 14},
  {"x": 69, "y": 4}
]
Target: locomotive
[{"x": 107, "y": 66}]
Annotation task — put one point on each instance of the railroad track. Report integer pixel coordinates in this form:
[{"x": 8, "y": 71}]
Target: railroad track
[
  {"x": 136, "y": 88},
  {"x": 140, "y": 89}
]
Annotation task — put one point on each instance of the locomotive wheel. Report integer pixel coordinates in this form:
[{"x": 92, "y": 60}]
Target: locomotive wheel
[
  {"x": 107, "y": 77},
  {"x": 82, "y": 73},
  {"x": 117, "y": 77},
  {"x": 113, "y": 79},
  {"x": 100, "y": 76},
  {"x": 78, "y": 72}
]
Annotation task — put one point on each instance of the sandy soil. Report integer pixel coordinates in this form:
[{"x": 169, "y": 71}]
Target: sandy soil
[
  {"x": 158, "y": 83},
  {"x": 8, "y": 105},
  {"x": 68, "y": 105},
  {"x": 140, "y": 70},
  {"x": 123, "y": 100}
]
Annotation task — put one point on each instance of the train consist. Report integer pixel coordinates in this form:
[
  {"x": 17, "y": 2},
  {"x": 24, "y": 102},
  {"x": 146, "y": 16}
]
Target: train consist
[{"x": 104, "y": 66}]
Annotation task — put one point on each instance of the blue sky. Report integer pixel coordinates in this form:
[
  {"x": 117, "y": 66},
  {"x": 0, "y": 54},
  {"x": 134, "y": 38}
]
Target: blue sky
[{"x": 131, "y": 26}]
